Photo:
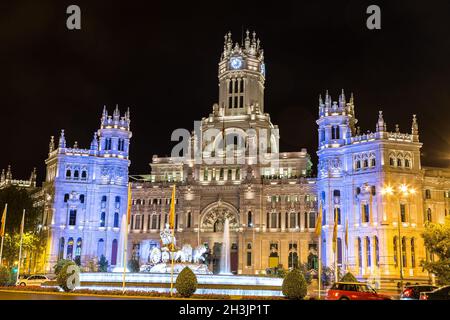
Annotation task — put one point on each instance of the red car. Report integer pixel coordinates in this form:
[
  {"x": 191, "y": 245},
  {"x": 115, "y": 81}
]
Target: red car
[{"x": 354, "y": 291}]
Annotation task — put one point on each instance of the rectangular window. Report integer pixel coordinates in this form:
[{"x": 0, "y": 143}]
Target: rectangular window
[
  {"x": 235, "y": 102},
  {"x": 241, "y": 101},
  {"x": 230, "y": 102},
  {"x": 249, "y": 259},
  {"x": 428, "y": 194},
  {"x": 137, "y": 222},
  {"x": 403, "y": 212}
]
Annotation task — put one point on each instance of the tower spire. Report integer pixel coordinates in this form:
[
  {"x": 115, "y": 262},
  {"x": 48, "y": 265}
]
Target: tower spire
[
  {"x": 51, "y": 145},
  {"x": 62, "y": 140},
  {"x": 415, "y": 129},
  {"x": 381, "y": 125}
]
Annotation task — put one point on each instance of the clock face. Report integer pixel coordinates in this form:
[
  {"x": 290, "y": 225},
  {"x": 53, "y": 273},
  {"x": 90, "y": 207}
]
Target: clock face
[
  {"x": 263, "y": 69},
  {"x": 236, "y": 63}
]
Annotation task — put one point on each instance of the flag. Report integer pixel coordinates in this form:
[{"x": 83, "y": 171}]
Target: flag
[
  {"x": 2, "y": 231},
  {"x": 335, "y": 230},
  {"x": 129, "y": 204},
  {"x": 172, "y": 210},
  {"x": 346, "y": 234},
  {"x": 319, "y": 221}
]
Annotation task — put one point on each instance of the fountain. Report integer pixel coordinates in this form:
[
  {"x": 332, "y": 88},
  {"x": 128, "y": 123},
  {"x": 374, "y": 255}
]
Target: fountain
[
  {"x": 225, "y": 267},
  {"x": 161, "y": 259}
]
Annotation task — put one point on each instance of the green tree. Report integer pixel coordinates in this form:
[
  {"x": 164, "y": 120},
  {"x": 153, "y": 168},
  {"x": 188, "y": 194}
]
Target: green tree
[
  {"x": 186, "y": 283},
  {"x": 19, "y": 199},
  {"x": 133, "y": 265},
  {"x": 11, "y": 246},
  {"x": 294, "y": 285},
  {"x": 103, "y": 264},
  {"x": 5, "y": 276},
  {"x": 349, "y": 277},
  {"x": 437, "y": 241}
]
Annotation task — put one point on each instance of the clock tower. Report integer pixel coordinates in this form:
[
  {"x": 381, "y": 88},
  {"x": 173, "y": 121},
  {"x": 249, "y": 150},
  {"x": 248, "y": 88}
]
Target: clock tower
[{"x": 241, "y": 76}]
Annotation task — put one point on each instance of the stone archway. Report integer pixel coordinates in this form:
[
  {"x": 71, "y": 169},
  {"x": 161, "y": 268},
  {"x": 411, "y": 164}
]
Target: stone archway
[{"x": 213, "y": 216}]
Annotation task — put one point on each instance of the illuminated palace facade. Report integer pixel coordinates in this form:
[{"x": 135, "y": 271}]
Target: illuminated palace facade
[
  {"x": 372, "y": 181},
  {"x": 85, "y": 193}
]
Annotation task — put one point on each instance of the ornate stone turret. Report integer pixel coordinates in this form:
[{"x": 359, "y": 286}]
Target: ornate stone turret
[
  {"x": 51, "y": 145},
  {"x": 33, "y": 178},
  {"x": 62, "y": 140},
  {"x": 415, "y": 129},
  {"x": 9, "y": 173},
  {"x": 381, "y": 125},
  {"x": 94, "y": 142}
]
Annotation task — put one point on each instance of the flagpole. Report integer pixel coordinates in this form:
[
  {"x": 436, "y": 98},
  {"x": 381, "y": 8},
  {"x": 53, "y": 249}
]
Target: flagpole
[
  {"x": 172, "y": 251},
  {"x": 3, "y": 232},
  {"x": 320, "y": 264},
  {"x": 20, "y": 247},
  {"x": 124, "y": 261}
]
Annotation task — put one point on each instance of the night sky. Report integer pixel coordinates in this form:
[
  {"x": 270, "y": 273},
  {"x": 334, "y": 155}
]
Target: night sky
[{"x": 160, "y": 59}]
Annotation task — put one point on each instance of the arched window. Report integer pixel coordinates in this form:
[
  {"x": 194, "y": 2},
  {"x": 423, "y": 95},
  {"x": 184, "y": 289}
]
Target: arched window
[
  {"x": 339, "y": 251},
  {"x": 365, "y": 163},
  {"x": 81, "y": 198},
  {"x": 337, "y": 215},
  {"x": 365, "y": 213},
  {"x": 373, "y": 162},
  {"x": 359, "y": 252},
  {"x": 399, "y": 162},
  {"x": 391, "y": 161},
  {"x": 116, "y": 220},
  {"x": 368, "y": 253},
  {"x": 189, "y": 220},
  {"x": 312, "y": 219},
  {"x": 404, "y": 261},
  {"x": 377, "y": 252},
  {"x": 407, "y": 163},
  {"x": 249, "y": 219},
  {"x": 69, "y": 249},
  {"x": 429, "y": 215},
  {"x": 102, "y": 219},
  {"x": 117, "y": 202},
  {"x": 413, "y": 253},
  {"x": 155, "y": 222},
  {"x": 221, "y": 174},
  {"x": 114, "y": 252},
  {"x": 68, "y": 174},
  {"x": 78, "y": 249},
  {"x": 293, "y": 259},
  {"x": 61, "y": 248},
  {"x": 229, "y": 175},
  {"x": 274, "y": 220},
  {"x": 395, "y": 247},
  {"x": 72, "y": 217},
  {"x": 83, "y": 175},
  {"x": 335, "y": 133},
  {"x": 292, "y": 222},
  {"x": 66, "y": 197},
  {"x": 100, "y": 248},
  {"x": 238, "y": 174},
  {"x": 427, "y": 194},
  {"x": 76, "y": 174},
  {"x": 358, "y": 164}
]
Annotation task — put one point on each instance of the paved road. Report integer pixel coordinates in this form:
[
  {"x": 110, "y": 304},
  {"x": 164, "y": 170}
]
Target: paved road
[{"x": 11, "y": 295}]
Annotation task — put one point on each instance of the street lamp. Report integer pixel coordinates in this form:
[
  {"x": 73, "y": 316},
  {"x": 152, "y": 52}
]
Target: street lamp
[{"x": 405, "y": 191}]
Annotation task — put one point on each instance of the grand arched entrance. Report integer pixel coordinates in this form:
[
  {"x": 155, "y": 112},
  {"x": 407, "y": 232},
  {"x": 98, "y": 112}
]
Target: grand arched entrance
[{"x": 212, "y": 221}]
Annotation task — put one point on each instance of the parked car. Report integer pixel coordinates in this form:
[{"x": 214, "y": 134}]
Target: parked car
[
  {"x": 442, "y": 293},
  {"x": 354, "y": 291},
  {"x": 412, "y": 292},
  {"x": 35, "y": 280}
]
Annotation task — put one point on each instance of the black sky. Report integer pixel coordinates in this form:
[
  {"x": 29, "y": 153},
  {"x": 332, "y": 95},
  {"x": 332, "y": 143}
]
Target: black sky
[{"x": 160, "y": 59}]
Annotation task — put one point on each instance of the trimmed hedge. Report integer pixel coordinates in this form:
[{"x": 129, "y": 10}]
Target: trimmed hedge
[
  {"x": 63, "y": 275},
  {"x": 294, "y": 285},
  {"x": 186, "y": 283},
  {"x": 5, "y": 276}
]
